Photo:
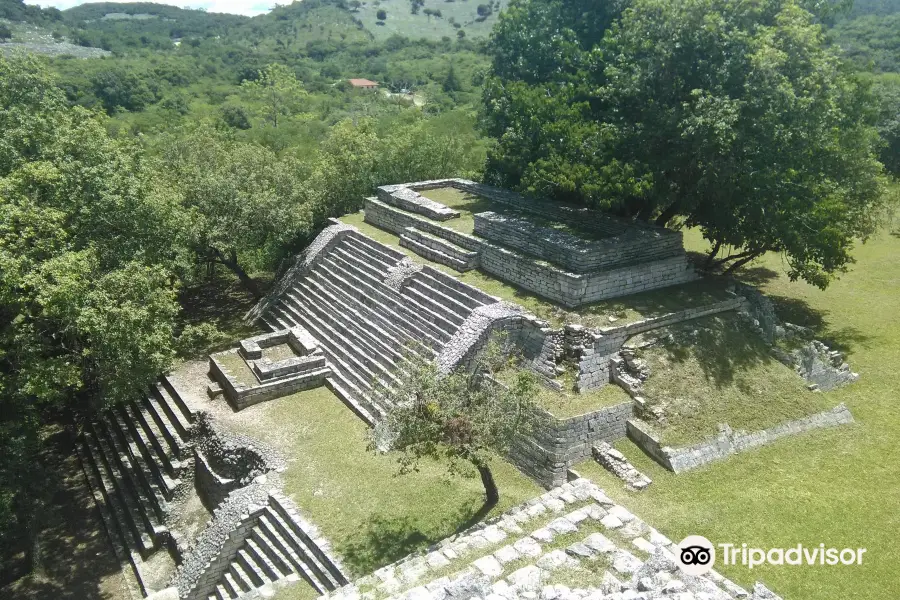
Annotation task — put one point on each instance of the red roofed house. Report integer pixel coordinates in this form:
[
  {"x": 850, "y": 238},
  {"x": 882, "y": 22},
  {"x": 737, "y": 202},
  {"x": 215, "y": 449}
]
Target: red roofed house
[{"x": 363, "y": 84}]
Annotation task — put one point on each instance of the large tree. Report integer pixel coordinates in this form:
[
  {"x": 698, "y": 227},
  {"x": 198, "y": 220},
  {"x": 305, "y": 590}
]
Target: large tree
[
  {"x": 243, "y": 203},
  {"x": 733, "y": 117},
  {"x": 86, "y": 301}
]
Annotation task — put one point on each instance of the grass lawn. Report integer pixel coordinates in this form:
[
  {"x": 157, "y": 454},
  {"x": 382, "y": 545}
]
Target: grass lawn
[
  {"x": 840, "y": 486},
  {"x": 623, "y": 310},
  {"x": 401, "y": 21},
  {"x": 724, "y": 374},
  {"x": 371, "y": 515}
]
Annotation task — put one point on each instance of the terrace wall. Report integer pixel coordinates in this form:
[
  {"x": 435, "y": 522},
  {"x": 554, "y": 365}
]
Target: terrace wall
[
  {"x": 550, "y": 451},
  {"x": 581, "y": 256},
  {"x": 568, "y": 289}
]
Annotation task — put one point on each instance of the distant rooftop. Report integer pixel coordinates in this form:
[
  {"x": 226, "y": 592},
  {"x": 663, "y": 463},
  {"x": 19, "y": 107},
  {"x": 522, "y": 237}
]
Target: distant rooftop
[{"x": 363, "y": 83}]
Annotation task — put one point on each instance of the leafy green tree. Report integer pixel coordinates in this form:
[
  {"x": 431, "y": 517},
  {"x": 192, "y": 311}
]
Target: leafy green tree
[
  {"x": 120, "y": 88},
  {"x": 465, "y": 418},
  {"x": 451, "y": 82},
  {"x": 243, "y": 203},
  {"x": 87, "y": 304},
  {"x": 736, "y": 118},
  {"x": 278, "y": 92},
  {"x": 887, "y": 90},
  {"x": 5, "y": 32}
]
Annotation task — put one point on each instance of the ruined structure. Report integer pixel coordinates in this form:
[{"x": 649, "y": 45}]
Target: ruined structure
[{"x": 346, "y": 315}]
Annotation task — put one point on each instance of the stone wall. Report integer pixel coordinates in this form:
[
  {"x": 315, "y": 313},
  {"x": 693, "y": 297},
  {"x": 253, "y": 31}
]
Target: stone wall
[
  {"x": 560, "y": 443},
  {"x": 603, "y": 346},
  {"x": 569, "y": 289},
  {"x": 728, "y": 442},
  {"x": 410, "y": 200},
  {"x": 571, "y": 252},
  {"x": 241, "y": 396}
]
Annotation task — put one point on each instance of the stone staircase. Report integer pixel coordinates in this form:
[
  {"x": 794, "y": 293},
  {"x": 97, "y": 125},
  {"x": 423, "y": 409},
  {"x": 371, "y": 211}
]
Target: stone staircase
[
  {"x": 368, "y": 329},
  {"x": 571, "y": 543},
  {"x": 278, "y": 548},
  {"x": 438, "y": 249},
  {"x": 132, "y": 458}
]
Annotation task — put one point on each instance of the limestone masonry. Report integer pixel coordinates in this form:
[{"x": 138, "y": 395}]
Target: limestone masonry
[{"x": 347, "y": 315}]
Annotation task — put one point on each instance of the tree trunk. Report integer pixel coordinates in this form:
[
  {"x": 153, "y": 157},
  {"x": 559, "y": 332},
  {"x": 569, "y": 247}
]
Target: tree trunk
[
  {"x": 712, "y": 255},
  {"x": 667, "y": 214},
  {"x": 491, "y": 492},
  {"x": 232, "y": 263}
]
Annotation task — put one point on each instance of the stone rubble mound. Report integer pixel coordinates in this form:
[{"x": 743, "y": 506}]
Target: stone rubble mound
[{"x": 571, "y": 543}]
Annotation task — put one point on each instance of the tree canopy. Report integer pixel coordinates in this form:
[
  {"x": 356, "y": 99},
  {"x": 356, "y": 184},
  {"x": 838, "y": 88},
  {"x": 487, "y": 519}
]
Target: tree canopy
[{"x": 733, "y": 117}]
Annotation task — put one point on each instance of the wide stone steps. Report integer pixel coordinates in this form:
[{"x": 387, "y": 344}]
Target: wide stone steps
[
  {"x": 342, "y": 362},
  {"x": 276, "y": 548},
  {"x": 130, "y": 460},
  {"x": 464, "y": 260},
  {"x": 428, "y": 252},
  {"x": 347, "y": 344},
  {"x": 357, "y": 326},
  {"x": 355, "y": 265},
  {"x": 384, "y": 301},
  {"x": 398, "y": 338},
  {"x": 338, "y": 382},
  {"x": 459, "y": 291},
  {"x": 386, "y": 256}
]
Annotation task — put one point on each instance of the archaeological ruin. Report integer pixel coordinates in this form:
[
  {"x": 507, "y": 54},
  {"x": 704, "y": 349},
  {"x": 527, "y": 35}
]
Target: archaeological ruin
[{"x": 346, "y": 315}]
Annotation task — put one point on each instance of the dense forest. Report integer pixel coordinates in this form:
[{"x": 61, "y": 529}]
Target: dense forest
[{"x": 209, "y": 147}]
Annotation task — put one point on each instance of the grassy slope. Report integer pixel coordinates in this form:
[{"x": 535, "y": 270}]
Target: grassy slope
[
  {"x": 371, "y": 515},
  {"x": 839, "y": 487},
  {"x": 726, "y": 375},
  {"x": 400, "y": 19}
]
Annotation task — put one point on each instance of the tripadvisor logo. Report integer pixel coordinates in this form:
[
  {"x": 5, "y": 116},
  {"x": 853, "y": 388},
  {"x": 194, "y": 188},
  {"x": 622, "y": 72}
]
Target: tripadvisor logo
[{"x": 696, "y": 556}]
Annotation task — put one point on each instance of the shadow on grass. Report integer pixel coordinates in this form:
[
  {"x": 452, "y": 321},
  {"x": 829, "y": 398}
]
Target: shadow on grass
[
  {"x": 799, "y": 312},
  {"x": 222, "y": 302},
  {"x": 386, "y": 540},
  {"x": 75, "y": 551},
  {"x": 722, "y": 347}
]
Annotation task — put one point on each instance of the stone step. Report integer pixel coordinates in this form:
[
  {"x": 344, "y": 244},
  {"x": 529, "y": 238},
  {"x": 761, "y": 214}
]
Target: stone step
[
  {"x": 374, "y": 268},
  {"x": 173, "y": 413},
  {"x": 240, "y": 576},
  {"x": 337, "y": 357},
  {"x": 393, "y": 336},
  {"x": 185, "y": 411},
  {"x": 300, "y": 543},
  {"x": 341, "y": 388},
  {"x": 386, "y": 256},
  {"x": 138, "y": 438},
  {"x": 262, "y": 560},
  {"x": 143, "y": 472},
  {"x": 438, "y": 294},
  {"x": 433, "y": 300},
  {"x": 113, "y": 484},
  {"x": 307, "y": 534},
  {"x": 147, "y": 515},
  {"x": 468, "y": 258},
  {"x": 298, "y": 561},
  {"x": 230, "y": 584},
  {"x": 433, "y": 255},
  {"x": 365, "y": 369},
  {"x": 222, "y": 594},
  {"x": 154, "y": 413},
  {"x": 349, "y": 323},
  {"x": 278, "y": 561},
  {"x": 99, "y": 479},
  {"x": 255, "y": 574},
  {"x": 146, "y": 426},
  {"x": 463, "y": 293},
  {"x": 384, "y": 301},
  {"x": 357, "y": 266}
]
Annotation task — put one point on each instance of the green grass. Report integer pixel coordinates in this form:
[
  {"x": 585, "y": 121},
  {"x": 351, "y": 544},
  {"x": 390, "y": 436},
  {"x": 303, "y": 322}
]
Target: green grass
[
  {"x": 569, "y": 403},
  {"x": 372, "y": 515},
  {"x": 836, "y": 486},
  {"x": 401, "y": 21},
  {"x": 237, "y": 368},
  {"x": 726, "y": 374}
]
